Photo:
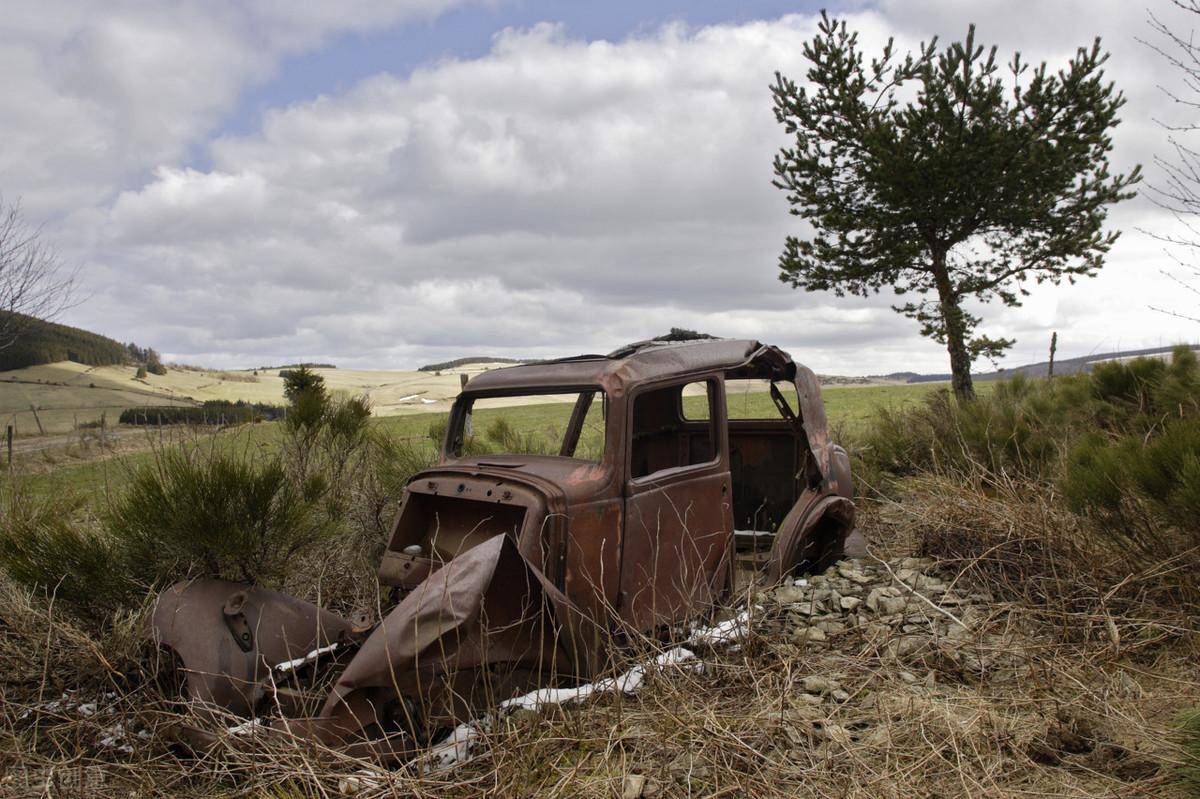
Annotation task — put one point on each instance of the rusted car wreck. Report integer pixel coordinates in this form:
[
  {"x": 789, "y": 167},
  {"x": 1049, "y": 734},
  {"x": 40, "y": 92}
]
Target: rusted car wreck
[{"x": 519, "y": 569}]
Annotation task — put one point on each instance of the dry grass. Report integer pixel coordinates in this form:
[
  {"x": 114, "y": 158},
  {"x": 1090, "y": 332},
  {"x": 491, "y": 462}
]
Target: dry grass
[
  {"x": 1070, "y": 682},
  {"x": 1020, "y": 544}
]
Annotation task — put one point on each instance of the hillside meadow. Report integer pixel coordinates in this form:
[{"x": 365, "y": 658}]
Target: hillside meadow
[
  {"x": 69, "y": 395},
  {"x": 94, "y": 474}
]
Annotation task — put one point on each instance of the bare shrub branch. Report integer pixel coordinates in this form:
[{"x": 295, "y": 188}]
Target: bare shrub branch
[{"x": 34, "y": 281}]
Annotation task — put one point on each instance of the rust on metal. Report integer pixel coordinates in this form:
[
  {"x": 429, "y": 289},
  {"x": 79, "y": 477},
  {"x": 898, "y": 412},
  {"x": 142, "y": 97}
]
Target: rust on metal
[{"x": 515, "y": 570}]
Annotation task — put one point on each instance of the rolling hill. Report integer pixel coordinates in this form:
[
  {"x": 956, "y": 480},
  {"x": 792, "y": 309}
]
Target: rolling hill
[
  {"x": 1062, "y": 366},
  {"x": 43, "y": 342}
]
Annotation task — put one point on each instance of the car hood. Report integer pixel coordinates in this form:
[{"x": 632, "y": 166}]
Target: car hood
[{"x": 574, "y": 479}]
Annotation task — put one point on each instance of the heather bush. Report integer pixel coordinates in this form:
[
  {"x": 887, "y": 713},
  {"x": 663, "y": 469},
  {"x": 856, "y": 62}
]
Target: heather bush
[
  {"x": 216, "y": 514},
  {"x": 1030, "y": 428},
  {"x": 45, "y": 546}
]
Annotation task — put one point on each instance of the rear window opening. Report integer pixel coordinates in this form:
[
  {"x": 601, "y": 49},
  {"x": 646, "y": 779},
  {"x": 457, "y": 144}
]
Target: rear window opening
[
  {"x": 751, "y": 399},
  {"x": 569, "y": 424}
]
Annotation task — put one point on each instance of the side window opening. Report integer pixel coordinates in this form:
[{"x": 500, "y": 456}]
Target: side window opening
[
  {"x": 751, "y": 399},
  {"x": 672, "y": 427}
]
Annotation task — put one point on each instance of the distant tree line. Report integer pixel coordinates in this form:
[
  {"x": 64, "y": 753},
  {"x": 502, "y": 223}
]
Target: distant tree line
[
  {"x": 295, "y": 366},
  {"x": 457, "y": 362},
  {"x": 49, "y": 342},
  {"x": 212, "y": 412}
]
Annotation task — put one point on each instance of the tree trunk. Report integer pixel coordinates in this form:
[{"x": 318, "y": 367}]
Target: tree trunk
[{"x": 956, "y": 334}]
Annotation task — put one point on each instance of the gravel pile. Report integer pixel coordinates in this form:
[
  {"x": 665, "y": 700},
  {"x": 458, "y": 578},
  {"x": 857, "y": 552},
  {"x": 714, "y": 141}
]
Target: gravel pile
[{"x": 903, "y": 610}]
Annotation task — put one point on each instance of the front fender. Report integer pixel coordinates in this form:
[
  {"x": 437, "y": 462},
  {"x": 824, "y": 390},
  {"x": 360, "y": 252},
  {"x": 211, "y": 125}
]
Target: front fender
[
  {"x": 230, "y": 635},
  {"x": 812, "y": 535}
]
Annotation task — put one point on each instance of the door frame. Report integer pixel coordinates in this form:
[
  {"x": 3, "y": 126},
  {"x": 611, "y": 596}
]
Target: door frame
[{"x": 664, "y": 479}]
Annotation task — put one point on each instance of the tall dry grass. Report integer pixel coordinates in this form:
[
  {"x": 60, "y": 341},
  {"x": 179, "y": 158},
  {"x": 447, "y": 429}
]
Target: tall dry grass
[{"x": 1079, "y": 720}]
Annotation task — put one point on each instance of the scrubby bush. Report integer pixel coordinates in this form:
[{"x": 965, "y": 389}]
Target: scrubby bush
[
  {"x": 1119, "y": 446},
  {"x": 307, "y": 410},
  {"x": 154, "y": 364},
  {"x": 191, "y": 512},
  {"x": 1189, "y": 770},
  {"x": 504, "y": 437},
  {"x": 140, "y": 374},
  {"x": 471, "y": 444},
  {"x": 1136, "y": 485},
  {"x": 437, "y": 430},
  {"x": 44, "y": 546},
  {"x": 388, "y": 463},
  {"x": 1027, "y": 428},
  {"x": 1009, "y": 431},
  {"x": 218, "y": 509},
  {"x": 216, "y": 514}
]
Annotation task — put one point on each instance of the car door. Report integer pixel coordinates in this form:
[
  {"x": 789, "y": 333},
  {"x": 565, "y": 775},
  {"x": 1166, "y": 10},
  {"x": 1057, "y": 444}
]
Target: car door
[{"x": 678, "y": 514}]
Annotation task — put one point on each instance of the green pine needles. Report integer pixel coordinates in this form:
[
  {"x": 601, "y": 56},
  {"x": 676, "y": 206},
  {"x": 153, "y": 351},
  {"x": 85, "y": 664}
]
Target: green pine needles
[{"x": 946, "y": 178}]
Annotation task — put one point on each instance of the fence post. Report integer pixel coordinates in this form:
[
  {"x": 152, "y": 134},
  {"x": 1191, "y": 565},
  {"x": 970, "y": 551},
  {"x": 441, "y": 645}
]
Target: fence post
[{"x": 38, "y": 419}]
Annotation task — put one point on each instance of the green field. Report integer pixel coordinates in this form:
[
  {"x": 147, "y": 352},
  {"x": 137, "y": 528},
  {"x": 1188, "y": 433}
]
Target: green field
[{"x": 847, "y": 408}]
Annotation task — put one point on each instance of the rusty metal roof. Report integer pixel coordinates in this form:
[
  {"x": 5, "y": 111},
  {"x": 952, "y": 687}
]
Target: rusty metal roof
[{"x": 636, "y": 363}]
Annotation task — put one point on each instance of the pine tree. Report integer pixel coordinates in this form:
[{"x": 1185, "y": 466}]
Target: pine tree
[{"x": 972, "y": 187}]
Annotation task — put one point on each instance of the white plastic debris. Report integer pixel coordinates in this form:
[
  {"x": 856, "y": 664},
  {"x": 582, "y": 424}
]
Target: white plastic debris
[
  {"x": 246, "y": 727},
  {"x": 304, "y": 661},
  {"x": 727, "y": 633},
  {"x": 627, "y": 683},
  {"x": 116, "y": 737},
  {"x": 456, "y": 747}
]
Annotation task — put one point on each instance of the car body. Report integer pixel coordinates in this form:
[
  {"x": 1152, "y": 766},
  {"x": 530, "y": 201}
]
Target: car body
[{"x": 532, "y": 564}]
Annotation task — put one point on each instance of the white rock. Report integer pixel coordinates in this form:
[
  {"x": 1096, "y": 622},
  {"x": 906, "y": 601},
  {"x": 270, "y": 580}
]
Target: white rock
[
  {"x": 813, "y": 635},
  {"x": 817, "y": 684},
  {"x": 852, "y": 574},
  {"x": 635, "y": 785}
]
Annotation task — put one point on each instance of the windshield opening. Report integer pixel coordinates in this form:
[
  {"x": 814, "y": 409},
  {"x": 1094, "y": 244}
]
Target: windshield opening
[{"x": 567, "y": 424}]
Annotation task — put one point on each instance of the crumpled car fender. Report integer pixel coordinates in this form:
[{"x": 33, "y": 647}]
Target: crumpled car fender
[
  {"x": 486, "y": 625},
  {"x": 229, "y": 636}
]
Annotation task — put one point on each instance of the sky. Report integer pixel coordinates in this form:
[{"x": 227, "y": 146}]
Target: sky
[{"x": 387, "y": 183}]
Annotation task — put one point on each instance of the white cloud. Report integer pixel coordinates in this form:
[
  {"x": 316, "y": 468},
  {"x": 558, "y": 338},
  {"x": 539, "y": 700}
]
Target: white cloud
[
  {"x": 98, "y": 94},
  {"x": 554, "y": 195}
]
